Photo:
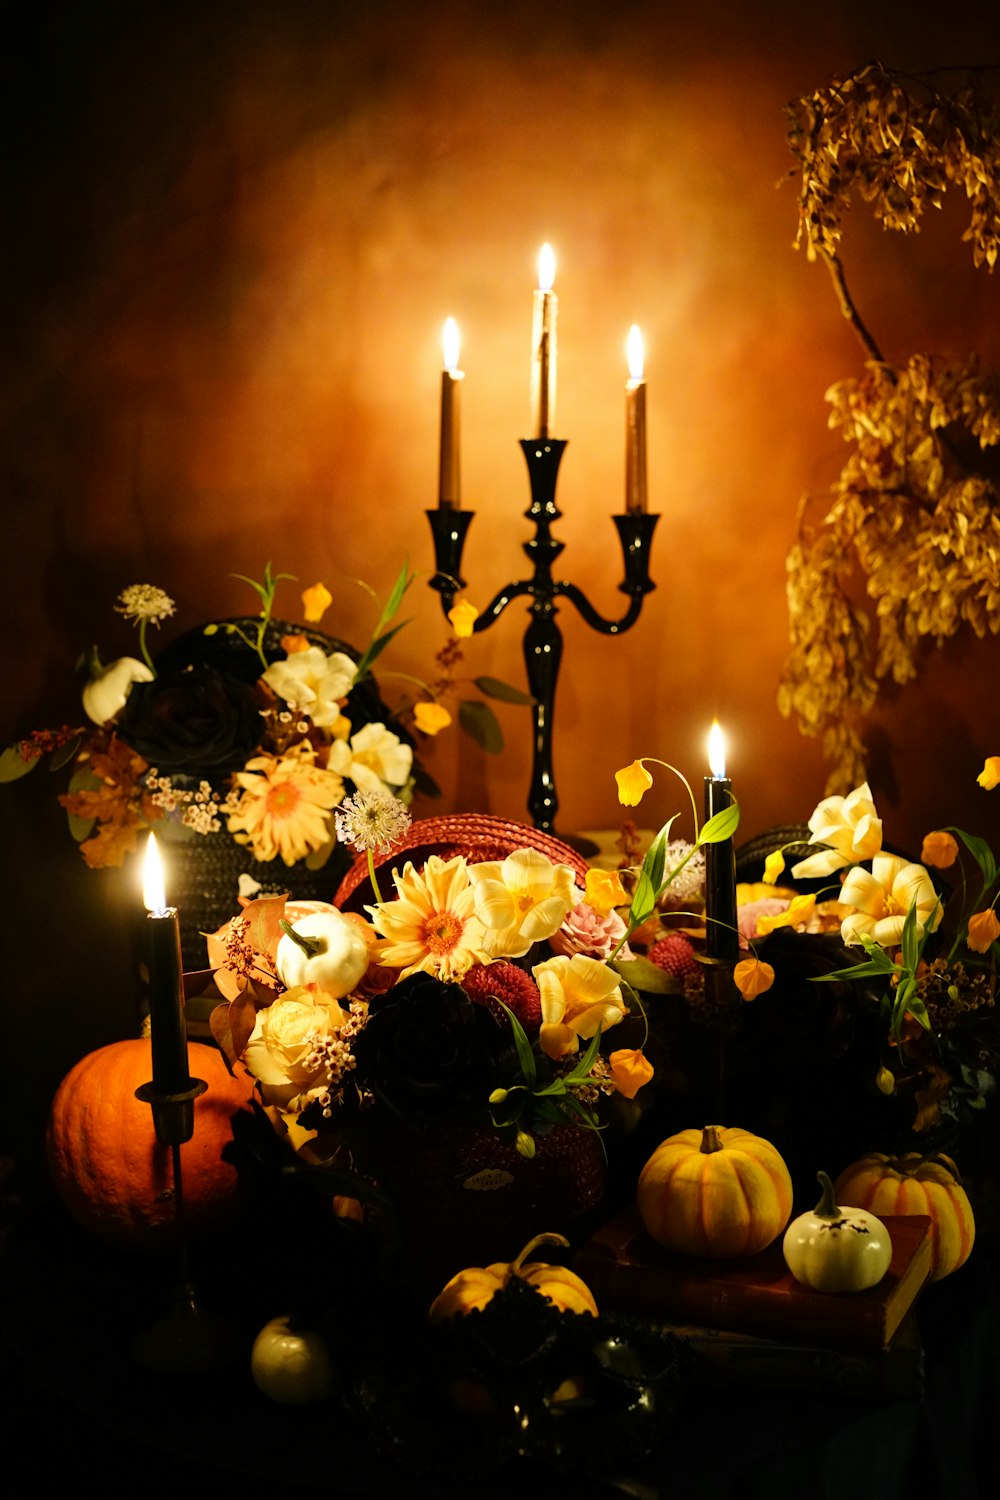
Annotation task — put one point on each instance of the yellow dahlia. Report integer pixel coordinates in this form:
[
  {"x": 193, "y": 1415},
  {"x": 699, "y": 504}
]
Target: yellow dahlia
[
  {"x": 432, "y": 924},
  {"x": 284, "y": 805}
]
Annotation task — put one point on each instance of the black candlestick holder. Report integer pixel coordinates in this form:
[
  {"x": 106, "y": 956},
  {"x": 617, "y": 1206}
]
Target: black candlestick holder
[{"x": 543, "y": 638}]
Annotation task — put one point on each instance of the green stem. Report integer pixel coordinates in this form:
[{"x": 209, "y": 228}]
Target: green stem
[
  {"x": 372, "y": 876},
  {"x": 143, "y": 647}
]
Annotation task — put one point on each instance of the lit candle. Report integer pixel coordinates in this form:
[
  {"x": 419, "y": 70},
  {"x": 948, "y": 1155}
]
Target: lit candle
[
  {"x": 721, "y": 934},
  {"x": 635, "y": 424},
  {"x": 168, "y": 1032},
  {"x": 543, "y": 347},
  {"x": 450, "y": 472}
]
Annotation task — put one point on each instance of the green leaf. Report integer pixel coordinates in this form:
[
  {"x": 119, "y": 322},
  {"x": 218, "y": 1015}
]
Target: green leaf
[
  {"x": 910, "y": 942},
  {"x": 525, "y": 1056},
  {"x": 65, "y": 753},
  {"x": 640, "y": 974},
  {"x": 981, "y": 853},
  {"x": 13, "y": 764},
  {"x": 376, "y": 648},
  {"x": 861, "y": 970},
  {"x": 480, "y": 723},
  {"x": 643, "y": 901},
  {"x": 494, "y": 688},
  {"x": 581, "y": 1071},
  {"x": 656, "y": 857},
  {"x": 555, "y": 1089},
  {"x": 918, "y": 1011},
  {"x": 722, "y": 826}
]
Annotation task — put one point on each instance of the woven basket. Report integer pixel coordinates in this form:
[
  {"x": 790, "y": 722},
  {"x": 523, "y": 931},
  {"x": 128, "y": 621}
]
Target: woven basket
[{"x": 477, "y": 837}]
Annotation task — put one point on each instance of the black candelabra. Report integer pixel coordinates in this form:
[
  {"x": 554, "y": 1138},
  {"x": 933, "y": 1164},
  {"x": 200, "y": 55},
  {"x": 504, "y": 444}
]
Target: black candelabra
[{"x": 543, "y": 638}]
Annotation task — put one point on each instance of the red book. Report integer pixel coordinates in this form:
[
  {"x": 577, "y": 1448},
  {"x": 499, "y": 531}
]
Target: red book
[{"x": 628, "y": 1272}]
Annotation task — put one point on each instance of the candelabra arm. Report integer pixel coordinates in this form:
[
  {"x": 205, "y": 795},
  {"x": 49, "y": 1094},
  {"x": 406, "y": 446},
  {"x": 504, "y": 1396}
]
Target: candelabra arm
[
  {"x": 593, "y": 617},
  {"x": 448, "y": 528}
]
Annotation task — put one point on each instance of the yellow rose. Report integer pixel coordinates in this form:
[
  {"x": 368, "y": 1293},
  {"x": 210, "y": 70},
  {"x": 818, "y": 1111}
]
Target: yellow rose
[{"x": 281, "y": 1049}]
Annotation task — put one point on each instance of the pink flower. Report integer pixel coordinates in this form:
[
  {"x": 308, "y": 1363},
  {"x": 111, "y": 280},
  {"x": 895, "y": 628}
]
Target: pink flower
[{"x": 585, "y": 931}]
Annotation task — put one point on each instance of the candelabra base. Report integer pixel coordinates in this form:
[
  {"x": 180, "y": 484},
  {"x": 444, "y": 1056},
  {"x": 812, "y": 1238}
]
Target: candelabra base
[{"x": 188, "y": 1340}]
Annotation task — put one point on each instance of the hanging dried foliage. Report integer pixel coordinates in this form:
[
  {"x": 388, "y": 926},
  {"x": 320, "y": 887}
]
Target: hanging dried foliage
[{"x": 908, "y": 551}]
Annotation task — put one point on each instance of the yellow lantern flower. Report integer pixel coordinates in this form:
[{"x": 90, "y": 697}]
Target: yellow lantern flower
[
  {"x": 883, "y": 898},
  {"x": 578, "y": 995},
  {"x": 989, "y": 776},
  {"x": 463, "y": 616},
  {"x": 797, "y": 913},
  {"x": 315, "y": 603},
  {"x": 939, "y": 849},
  {"x": 752, "y": 976},
  {"x": 984, "y": 929},
  {"x": 630, "y": 1069},
  {"x": 603, "y": 891},
  {"x": 774, "y": 865},
  {"x": 852, "y": 828},
  {"x": 431, "y": 718},
  {"x": 633, "y": 784}
]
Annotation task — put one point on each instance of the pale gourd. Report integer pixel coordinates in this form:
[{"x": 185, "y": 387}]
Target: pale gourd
[{"x": 836, "y": 1249}]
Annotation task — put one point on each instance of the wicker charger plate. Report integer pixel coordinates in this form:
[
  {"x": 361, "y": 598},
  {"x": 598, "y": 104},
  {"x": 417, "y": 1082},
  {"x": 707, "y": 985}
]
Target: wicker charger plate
[{"x": 477, "y": 837}]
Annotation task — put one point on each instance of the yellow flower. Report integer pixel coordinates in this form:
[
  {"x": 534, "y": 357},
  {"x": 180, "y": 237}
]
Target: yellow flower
[
  {"x": 284, "y": 805},
  {"x": 463, "y": 616},
  {"x": 939, "y": 849},
  {"x": 432, "y": 925},
  {"x": 752, "y": 976},
  {"x": 774, "y": 865},
  {"x": 315, "y": 603},
  {"x": 633, "y": 784},
  {"x": 604, "y": 891},
  {"x": 521, "y": 900},
  {"x": 431, "y": 718},
  {"x": 850, "y": 825},
  {"x": 883, "y": 898},
  {"x": 379, "y": 759},
  {"x": 799, "y": 911},
  {"x": 989, "y": 776},
  {"x": 578, "y": 995},
  {"x": 281, "y": 1052},
  {"x": 629, "y": 1071},
  {"x": 984, "y": 929}
]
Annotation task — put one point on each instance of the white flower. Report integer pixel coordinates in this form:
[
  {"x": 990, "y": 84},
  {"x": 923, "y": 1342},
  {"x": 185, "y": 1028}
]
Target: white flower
[
  {"x": 883, "y": 898},
  {"x": 282, "y": 1051},
  {"x": 313, "y": 683},
  {"x": 852, "y": 828},
  {"x": 379, "y": 759}
]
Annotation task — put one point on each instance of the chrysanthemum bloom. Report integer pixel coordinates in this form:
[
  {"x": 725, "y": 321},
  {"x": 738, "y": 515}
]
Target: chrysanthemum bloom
[
  {"x": 752, "y": 976},
  {"x": 633, "y": 784},
  {"x": 520, "y": 900},
  {"x": 603, "y": 891},
  {"x": 313, "y": 683},
  {"x": 432, "y": 925},
  {"x": 579, "y": 994},
  {"x": 379, "y": 759},
  {"x": 315, "y": 603},
  {"x": 883, "y": 898},
  {"x": 939, "y": 849},
  {"x": 630, "y": 1069},
  {"x": 284, "y": 805},
  {"x": 989, "y": 776},
  {"x": 463, "y": 616},
  {"x": 850, "y": 825},
  {"x": 430, "y": 717},
  {"x": 984, "y": 929}
]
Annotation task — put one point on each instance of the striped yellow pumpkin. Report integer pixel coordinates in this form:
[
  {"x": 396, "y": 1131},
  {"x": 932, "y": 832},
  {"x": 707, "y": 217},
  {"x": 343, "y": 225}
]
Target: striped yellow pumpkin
[
  {"x": 715, "y": 1192},
  {"x": 915, "y": 1184}
]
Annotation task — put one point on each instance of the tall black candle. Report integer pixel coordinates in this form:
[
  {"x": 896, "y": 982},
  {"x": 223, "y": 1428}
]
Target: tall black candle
[
  {"x": 722, "y": 940},
  {"x": 168, "y": 1032}
]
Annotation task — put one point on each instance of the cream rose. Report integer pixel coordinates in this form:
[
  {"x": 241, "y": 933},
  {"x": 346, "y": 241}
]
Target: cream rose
[{"x": 285, "y": 1036}]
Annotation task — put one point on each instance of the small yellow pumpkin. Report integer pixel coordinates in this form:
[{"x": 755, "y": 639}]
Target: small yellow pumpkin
[
  {"x": 715, "y": 1192},
  {"x": 472, "y": 1289},
  {"x": 292, "y": 1365},
  {"x": 915, "y": 1184}
]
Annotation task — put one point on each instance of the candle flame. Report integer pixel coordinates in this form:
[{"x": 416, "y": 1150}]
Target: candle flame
[
  {"x": 451, "y": 343},
  {"x": 153, "y": 895},
  {"x": 716, "y": 751},
  {"x": 546, "y": 268},
  {"x": 635, "y": 352}
]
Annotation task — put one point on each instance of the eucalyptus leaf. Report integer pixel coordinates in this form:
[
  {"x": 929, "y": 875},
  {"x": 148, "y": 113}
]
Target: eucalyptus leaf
[
  {"x": 65, "y": 753},
  {"x": 13, "y": 764},
  {"x": 494, "y": 688},
  {"x": 480, "y": 723}
]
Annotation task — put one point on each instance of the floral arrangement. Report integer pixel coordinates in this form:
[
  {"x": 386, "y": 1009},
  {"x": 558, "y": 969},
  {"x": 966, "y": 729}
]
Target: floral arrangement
[
  {"x": 263, "y": 737},
  {"x": 476, "y": 991},
  {"x": 912, "y": 518}
]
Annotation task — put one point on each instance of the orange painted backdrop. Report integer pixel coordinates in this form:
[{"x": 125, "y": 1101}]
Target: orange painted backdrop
[{"x": 237, "y": 233}]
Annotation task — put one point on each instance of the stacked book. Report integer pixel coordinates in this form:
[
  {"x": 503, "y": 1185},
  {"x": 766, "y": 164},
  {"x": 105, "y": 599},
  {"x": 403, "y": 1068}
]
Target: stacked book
[{"x": 750, "y": 1321}]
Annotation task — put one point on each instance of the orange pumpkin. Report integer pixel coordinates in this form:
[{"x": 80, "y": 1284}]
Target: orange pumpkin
[
  {"x": 915, "y": 1184},
  {"x": 108, "y": 1168},
  {"x": 715, "y": 1192}
]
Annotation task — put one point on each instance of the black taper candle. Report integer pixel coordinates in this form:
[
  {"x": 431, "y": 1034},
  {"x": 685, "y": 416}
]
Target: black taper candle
[
  {"x": 722, "y": 939},
  {"x": 167, "y": 1028}
]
